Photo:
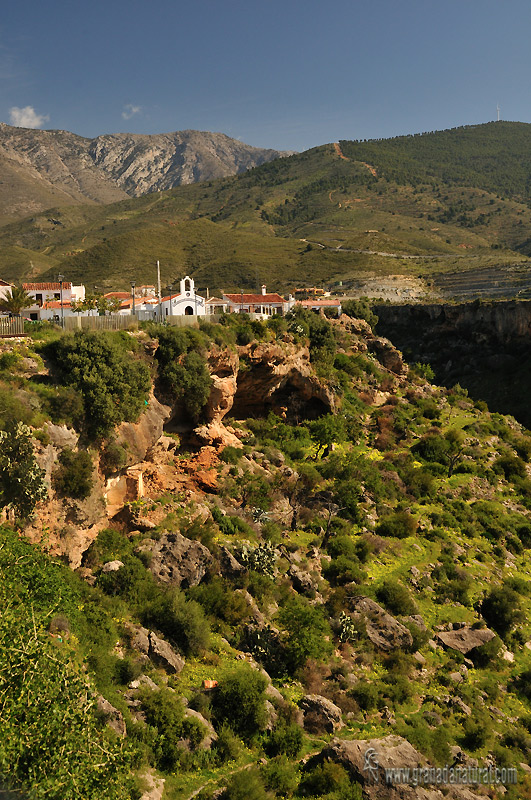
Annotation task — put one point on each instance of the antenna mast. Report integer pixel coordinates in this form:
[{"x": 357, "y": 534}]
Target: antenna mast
[{"x": 498, "y": 110}]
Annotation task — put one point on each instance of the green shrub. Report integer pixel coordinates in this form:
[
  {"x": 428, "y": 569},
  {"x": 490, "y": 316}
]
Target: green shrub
[
  {"x": 400, "y": 524},
  {"x": 396, "y": 598},
  {"x": 113, "y": 458},
  {"x": 231, "y": 455},
  {"x": 477, "y": 731},
  {"x": 502, "y": 610},
  {"x": 306, "y": 629},
  {"x": 164, "y": 711},
  {"x": 360, "y": 309},
  {"x": 220, "y": 601},
  {"x": 343, "y": 570},
  {"x": 181, "y": 620},
  {"x": 9, "y": 360},
  {"x": 73, "y": 477},
  {"x": 510, "y": 466},
  {"x": 240, "y": 701},
  {"x": 329, "y": 779},
  {"x": 190, "y": 382},
  {"x": 365, "y": 694},
  {"x": 246, "y": 785},
  {"x": 50, "y": 734},
  {"x": 285, "y": 739},
  {"x": 21, "y": 479},
  {"x": 280, "y": 776},
  {"x": 227, "y": 747}
]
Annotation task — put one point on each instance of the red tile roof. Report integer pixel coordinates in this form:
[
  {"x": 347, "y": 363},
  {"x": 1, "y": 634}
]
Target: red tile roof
[
  {"x": 46, "y": 287},
  {"x": 325, "y": 301},
  {"x": 56, "y": 304},
  {"x": 120, "y": 295},
  {"x": 255, "y": 299}
]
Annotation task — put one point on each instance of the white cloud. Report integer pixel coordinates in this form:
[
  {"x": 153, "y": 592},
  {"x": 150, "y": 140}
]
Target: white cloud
[
  {"x": 26, "y": 117},
  {"x": 130, "y": 110}
]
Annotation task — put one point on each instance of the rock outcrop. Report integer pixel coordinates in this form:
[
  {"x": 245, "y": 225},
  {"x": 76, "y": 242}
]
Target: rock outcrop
[
  {"x": 320, "y": 714},
  {"x": 465, "y": 639},
  {"x": 259, "y": 377},
  {"x": 139, "y": 437},
  {"x": 178, "y": 561},
  {"x": 366, "y": 761},
  {"x": 384, "y": 631},
  {"x": 163, "y": 654},
  {"x": 113, "y": 717}
]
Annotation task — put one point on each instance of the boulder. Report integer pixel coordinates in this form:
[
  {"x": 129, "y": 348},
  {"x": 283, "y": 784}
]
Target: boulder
[
  {"x": 367, "y": 759},
  {"x": 388, "y": 356},
  {"x": 384, "y": 631},
  {"x": 320, "y": 714},
  {"x": 61, "y": 436},
  {"x": 154, "y": 786},
  {"x": 140, "y": 639},
  {"x": 113, "y": 717},
  {"x": 211, "y": 735},
  {"x": 465, "y": 639},
  {"x": 230, "y": 567},
  {"x": 112, "y": 566},
  {"x": 139, "y": 437},
  {"x": 163, "y": 654},
  {"x": 178, "y": 561},
  {"x": 302, "y": 581}
]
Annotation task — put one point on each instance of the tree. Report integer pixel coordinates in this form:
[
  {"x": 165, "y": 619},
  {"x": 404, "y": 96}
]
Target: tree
[
  {"x": 101, "y": 367},
  {"x": 16, "y": 302},
  {"x": 21, "y": 479}
]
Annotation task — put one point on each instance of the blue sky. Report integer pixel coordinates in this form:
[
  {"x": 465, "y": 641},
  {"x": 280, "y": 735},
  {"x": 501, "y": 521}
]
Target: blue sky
[{"x": 288, "y": 75}]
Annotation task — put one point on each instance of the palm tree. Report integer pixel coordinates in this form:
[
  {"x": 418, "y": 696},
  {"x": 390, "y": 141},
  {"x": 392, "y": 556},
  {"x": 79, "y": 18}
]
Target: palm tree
[{"x": 18, "y": 300}]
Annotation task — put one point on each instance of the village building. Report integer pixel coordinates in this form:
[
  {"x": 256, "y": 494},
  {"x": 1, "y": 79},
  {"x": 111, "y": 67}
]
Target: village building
[
  {"x": 319, "y": 304},
  {"x": 215, "y": 305},
  {"x": 46, "y": 295},
  {"x": 185, "y": 303},
  {"x": 262, "y": 305}
]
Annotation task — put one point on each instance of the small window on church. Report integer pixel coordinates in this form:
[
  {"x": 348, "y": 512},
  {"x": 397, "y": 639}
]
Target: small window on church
[{"x": 187, "y": 286}]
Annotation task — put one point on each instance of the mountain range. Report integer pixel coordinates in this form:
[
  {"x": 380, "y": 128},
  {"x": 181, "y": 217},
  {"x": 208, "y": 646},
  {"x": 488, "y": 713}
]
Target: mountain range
[
  {"x": 39, "y": 169},
  {"x": 449, "y": 210}
]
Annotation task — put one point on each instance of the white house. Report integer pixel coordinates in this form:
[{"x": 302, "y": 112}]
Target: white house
[
  {"x": 45, "y": 294},
  {"x": 263, "y": 305}
]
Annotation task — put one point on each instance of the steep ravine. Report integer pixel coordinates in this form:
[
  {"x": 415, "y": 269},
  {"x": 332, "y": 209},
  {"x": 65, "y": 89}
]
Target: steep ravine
[{"x": 483, "y": 346}]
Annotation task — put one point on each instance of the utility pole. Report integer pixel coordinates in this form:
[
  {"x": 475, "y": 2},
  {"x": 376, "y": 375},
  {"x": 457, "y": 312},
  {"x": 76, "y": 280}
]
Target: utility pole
[
  {"x": 158, "y": 290},
  {"x": 133, "y": 284}
]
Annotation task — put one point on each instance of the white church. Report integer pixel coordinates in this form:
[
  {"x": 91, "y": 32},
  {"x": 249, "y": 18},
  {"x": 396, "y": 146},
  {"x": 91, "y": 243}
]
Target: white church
[{"x": 185, "y": 303}]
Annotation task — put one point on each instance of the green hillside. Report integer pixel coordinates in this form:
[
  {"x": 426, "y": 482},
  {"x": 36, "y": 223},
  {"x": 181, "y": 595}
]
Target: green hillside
[{"x": 413, "y": 205}]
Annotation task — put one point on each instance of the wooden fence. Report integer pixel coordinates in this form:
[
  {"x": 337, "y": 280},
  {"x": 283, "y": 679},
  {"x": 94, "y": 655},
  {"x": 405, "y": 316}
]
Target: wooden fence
[
  {"x": 112, "y": 322},
  {"x": 13, "y": 326}
]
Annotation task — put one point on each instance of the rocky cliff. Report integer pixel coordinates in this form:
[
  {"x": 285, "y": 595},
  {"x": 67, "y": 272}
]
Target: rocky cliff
[
  {"x": 483, "y": 346},
  {"x": 39, "y": 169}
]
